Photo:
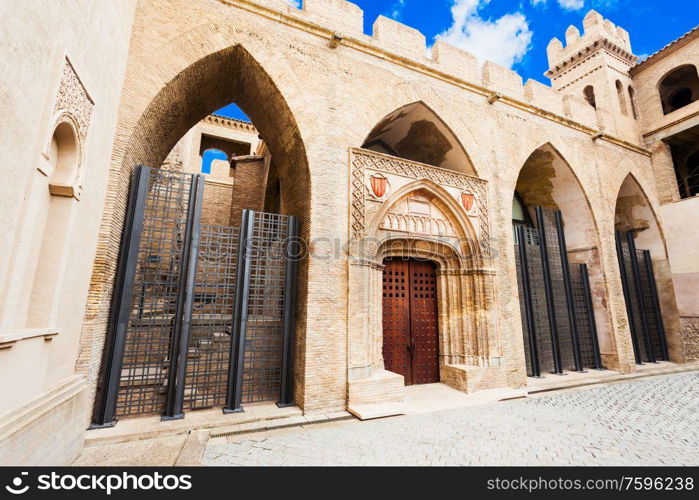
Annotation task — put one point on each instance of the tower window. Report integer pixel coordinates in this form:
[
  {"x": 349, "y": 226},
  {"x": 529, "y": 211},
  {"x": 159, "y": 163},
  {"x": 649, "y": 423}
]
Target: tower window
[
  {"x": 632, "y": 100},
  {"x": 620, "y": 95},
  {"x": 589, "y": 93}
]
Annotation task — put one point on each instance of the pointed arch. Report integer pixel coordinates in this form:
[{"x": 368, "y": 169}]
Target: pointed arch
[
  {"x": 157, "y": 113},
  {"x": 465, "y": 234},
  {"x": 547, "y": 180},
  {"x": 416, "y": 132},
  {"x": 634, "y": 213},
  {"x": 180, "y": 104}
]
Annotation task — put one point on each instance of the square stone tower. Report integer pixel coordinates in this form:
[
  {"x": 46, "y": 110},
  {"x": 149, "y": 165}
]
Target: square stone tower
[{"x": 595, "y": 67}]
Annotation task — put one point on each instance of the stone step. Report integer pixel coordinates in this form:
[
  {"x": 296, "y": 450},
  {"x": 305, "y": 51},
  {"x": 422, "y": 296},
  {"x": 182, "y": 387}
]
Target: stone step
[{"x": 279, "y": 423}]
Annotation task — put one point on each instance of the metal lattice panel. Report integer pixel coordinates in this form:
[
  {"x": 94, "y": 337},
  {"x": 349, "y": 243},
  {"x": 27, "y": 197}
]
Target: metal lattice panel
[
  {"x": 212, "y": 318},
  {"x": 634, "y": 302},
  {"x": 560, "y": 301},
  {"x": 584, "y": 316},
  {"x": 155, "y": 289},
  {"x": 523, "y": 311},
  {"x": 264, "y": 335},
  {"x": 539, "y": 301},
  {"x": 647, "y": 298}
]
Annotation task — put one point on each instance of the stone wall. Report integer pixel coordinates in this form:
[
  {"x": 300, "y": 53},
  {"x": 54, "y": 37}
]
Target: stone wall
[
  {"x": 382, "y": 73},
  {"x": 313, "y": 98},
  {"x": 69, "y": 63}
]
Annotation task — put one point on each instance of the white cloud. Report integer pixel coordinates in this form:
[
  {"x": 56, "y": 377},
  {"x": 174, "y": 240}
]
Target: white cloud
[
  {"x": 571, "y": 4},
  {"x": 396, "y": 9},
  {"x": 505, "y": 40},
  {"x": 538, "y": 2}
]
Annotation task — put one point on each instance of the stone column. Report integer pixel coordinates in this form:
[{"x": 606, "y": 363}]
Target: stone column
[{"x": 664, "y": 170}]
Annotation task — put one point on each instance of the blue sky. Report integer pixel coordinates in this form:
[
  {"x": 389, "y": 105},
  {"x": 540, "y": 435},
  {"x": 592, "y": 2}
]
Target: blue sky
[{"x": 516, "y": 33}]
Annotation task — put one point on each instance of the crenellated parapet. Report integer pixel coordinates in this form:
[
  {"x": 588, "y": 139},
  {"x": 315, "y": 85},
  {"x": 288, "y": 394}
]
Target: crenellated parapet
[
  {"x": 345, "y": 21},
  {"x": 599, "y": 33}
]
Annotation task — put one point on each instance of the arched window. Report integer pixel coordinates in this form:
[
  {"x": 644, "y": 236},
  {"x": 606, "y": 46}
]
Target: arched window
[
  {"x": 632, "y": 101},
  {"x": 208, "y": 157},
  {"x": 679, "y": 88},
  {"x": 620, "y": 95},
  {"x": 589, "y": 93},
  {"x": 54, "y": 225}
]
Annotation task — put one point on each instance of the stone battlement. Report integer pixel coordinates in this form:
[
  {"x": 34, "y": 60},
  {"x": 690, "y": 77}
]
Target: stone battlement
[
  {"x": 597, "y": 29},
  {"x": 347, "y": 19}
]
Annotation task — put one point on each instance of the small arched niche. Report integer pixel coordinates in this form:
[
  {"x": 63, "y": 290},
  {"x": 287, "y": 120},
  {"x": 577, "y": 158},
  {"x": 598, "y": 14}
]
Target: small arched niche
[
  {"x": 679, "y": 88},
  {"x": 62, "y": 169},
  {"x": 63, "y": 161},
  {"x": 415, "y": 132}
]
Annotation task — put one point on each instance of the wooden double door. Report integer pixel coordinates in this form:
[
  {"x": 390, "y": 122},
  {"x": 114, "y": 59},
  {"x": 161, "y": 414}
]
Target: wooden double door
[{"x": 410, "y": 332}]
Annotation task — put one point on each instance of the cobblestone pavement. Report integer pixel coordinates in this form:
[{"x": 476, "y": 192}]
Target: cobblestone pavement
[{"x": 652, "y": 421}]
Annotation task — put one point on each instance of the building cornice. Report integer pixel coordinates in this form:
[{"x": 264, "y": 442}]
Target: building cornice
[
  {"x": 233, "y": 123},
  {"x": 588, "y": 51},
  {"x": 667, "y": 50}
]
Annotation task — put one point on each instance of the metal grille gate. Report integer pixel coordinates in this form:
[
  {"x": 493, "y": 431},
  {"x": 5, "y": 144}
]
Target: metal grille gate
[
  {"x": 184, "y": 311},
  {"x": 642, "y": 303},
  {"x": 555, "y": 301}
]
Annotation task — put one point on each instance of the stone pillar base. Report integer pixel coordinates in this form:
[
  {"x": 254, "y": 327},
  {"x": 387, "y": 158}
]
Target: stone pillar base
[
  {"x": 468, "y": 379},
  {"x": 612, "y": 362},
  {"x": 380, "y": 395}
]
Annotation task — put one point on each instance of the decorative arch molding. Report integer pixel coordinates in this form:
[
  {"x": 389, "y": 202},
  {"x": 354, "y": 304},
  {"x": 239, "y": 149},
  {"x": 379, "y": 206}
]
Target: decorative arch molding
[
  {"x": 73, "y": 107},
  {"x": 404, "y": 176},
  {"x": 470, "y": 345},
  {"x": 449, "y": 224}
]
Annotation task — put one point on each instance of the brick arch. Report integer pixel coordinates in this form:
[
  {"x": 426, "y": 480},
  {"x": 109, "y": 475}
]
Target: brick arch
[
  {"x": 563, "y": 191},
  {"x": 548, "y": 179},
  {"x": 633, "y": 211},
  {"x": 170, "y": 107},
  {"x": 453, "y": 119}
]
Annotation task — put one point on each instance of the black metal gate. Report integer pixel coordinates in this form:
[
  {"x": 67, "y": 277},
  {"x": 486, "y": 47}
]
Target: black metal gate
[
  {"x": 642, "y": 303},
  {"x": 191, "y": 301},
  {"x": 555, "y": 301}
]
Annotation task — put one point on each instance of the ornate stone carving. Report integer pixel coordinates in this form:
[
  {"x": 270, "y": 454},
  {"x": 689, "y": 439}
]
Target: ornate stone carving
[
  {"x": 363, "y": 160},
  {"x": 73, "y": 99}
]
